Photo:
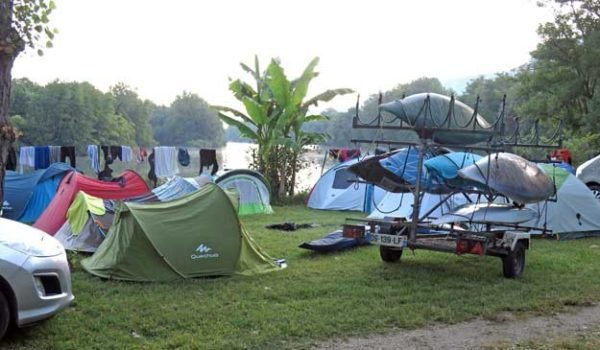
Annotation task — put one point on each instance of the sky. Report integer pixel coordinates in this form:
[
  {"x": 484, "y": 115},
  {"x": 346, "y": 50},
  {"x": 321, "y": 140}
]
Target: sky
[{"x": 162, "y": 48}]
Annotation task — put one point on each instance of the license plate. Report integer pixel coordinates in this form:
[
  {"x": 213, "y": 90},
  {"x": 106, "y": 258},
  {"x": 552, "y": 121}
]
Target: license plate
[{"x": 387, "y": 240}]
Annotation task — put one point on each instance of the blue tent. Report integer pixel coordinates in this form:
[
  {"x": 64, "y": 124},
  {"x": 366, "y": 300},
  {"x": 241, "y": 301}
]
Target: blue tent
[{"x": 26, "y": 196}]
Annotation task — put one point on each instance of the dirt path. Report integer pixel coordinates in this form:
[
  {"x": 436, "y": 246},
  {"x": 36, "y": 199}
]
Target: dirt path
[{"x": 478, "y": 333}]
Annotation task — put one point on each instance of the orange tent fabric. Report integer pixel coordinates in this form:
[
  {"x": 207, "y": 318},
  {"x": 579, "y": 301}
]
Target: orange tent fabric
[{"x": 130, "y": 184}]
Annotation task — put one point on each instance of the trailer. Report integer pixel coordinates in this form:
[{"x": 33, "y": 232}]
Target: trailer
[{"x": 482, "y": 235}]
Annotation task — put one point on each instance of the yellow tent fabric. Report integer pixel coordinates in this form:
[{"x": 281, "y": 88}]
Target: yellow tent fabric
[{"x": 77, "y": 215}]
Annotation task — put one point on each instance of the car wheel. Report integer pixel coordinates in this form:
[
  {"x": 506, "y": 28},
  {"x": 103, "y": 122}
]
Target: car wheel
[
  {"x": 4, "y": 315},
  {"x": 595, "y": 190}
]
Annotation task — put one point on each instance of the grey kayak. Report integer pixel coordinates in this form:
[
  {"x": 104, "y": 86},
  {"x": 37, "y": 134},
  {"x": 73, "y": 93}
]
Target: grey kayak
[
  {"x": 487, "y": 212},
  {"x": 415, "y": 111},
  {"x": 511, "y": 175}
]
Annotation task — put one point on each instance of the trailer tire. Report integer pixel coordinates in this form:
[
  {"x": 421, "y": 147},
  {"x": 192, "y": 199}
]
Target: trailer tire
[
  {"x": 390, "y": 254},
  {"x": 513, "y": 264}
]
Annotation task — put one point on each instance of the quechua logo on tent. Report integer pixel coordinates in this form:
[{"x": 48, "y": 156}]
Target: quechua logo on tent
[{"x": 203, "y": 252}]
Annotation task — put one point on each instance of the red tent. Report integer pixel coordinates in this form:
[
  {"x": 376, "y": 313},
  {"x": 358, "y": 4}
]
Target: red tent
[{"x": 130, "y": 184}]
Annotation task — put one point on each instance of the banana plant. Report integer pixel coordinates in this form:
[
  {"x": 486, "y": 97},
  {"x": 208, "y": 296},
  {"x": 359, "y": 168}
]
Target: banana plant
[{"x": 275, "y": 111}]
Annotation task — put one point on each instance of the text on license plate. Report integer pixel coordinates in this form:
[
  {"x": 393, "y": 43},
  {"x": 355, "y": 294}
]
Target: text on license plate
[{"x": 388, "y": 240}]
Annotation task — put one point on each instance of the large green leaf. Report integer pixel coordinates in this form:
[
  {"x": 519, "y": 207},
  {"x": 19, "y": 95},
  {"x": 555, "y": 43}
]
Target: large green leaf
[
  {"x": 243, "y": 128},
  {"x": 256, "y": 111},
  {"x": 325, "y": 97},
  {"x": 242, "y": 89},
  {"x": 278, "y": 84},
  {"x": 301, "y": 85},
  {"x": 234, "y": 112},
  {"x": 311, "y": 138}
]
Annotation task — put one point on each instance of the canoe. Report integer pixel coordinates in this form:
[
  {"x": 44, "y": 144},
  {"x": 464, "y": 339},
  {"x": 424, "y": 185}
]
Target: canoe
[
  {"x": 422, "y": 116},
  {"x": 511, "y": 175},
  {"x": 487, "y": 212}
]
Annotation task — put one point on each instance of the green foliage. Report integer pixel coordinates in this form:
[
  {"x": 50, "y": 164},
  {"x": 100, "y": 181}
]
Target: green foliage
[
  {"x": 276, "y": 111},
  {"x": 26, "y": 24},
  {"x": 318, "y": 297},
  {"x": 233, "y": 134},
  {"x": 188, "y": 121},
  {"x": 560, "y": 82},
  {"x": 491, "y": 93},
  {"x": 132, "y": 108},
  {"x": 63, "y": 113}
]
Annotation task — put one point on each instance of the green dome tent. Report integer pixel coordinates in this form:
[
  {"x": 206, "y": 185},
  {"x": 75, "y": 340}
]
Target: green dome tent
[
  {"x": 164, "y": 241},
  {"x": 253, "y": 190}
]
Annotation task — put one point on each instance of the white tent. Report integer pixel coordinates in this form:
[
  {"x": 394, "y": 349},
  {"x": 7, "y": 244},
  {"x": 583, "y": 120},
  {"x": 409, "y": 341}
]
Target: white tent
[
  {"x": 575, "y": 213},
  {"x": 337, "y": 189}
]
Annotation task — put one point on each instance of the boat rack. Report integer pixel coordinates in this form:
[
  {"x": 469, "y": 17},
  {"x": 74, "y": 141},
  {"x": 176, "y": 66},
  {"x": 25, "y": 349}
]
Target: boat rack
[{"x": 505, "y": 240}]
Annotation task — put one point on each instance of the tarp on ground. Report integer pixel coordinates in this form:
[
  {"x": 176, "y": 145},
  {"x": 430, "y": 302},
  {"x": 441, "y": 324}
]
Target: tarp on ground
[
  {"x": 130, "y": 184},
  {"x": 164, "y": 241},
  {"x": 27, "y": 195},
  {"x": 254, "y": 192}
]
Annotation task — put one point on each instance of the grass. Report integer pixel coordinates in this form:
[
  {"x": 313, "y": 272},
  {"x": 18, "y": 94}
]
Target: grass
[
  {"x": 582, "y": 340},
  {"x": 316, "y": 298}
]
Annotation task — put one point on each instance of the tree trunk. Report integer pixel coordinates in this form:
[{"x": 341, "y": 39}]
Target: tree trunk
[
  {"x": 10, "y": 47},
  {"x": 6, "y": 132},
  {"x": 7, "y": 135},
  {"x": 294, "y": 171}
]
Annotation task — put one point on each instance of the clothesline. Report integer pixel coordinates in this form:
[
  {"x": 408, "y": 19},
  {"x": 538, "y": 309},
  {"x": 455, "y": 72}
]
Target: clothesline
[
  {"x": 164, "y": 161},
  {"x": 40, "y": 157}
]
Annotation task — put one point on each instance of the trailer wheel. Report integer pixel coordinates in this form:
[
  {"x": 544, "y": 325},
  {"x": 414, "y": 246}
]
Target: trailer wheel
[
  {"x": 513, "y": 264},
  {"x": 389, "y": 254}
]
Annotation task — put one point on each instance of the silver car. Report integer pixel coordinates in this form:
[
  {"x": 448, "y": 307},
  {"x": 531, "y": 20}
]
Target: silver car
[
  {"x": 35, "y": 280},
  {"x": 589, "y": 174}
]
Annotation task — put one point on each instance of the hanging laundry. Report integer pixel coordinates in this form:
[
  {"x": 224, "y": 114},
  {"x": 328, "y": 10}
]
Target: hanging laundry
[
  {"x": 208, "y": 157},
  {"x": 68, "y": 151},
  {"x": 116, "y": 152},
  {"x": 111, "y": 153},
  {"x": 42, "y": 157},
  {"x": 127, "y": 153},
  {"x": 108, "y": 159},
  {"x": 11, "y": 161},
  {"x": 54, "y": 154},
  {"x": 183, "y": 157},
  {"x": 92, "y": 151},
  {"x": 27, "y": 156},
  {"x": 165, "y": 159}
]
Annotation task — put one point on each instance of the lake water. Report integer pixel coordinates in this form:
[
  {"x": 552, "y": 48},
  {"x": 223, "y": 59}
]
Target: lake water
[{"x": 236, "y": 155}]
